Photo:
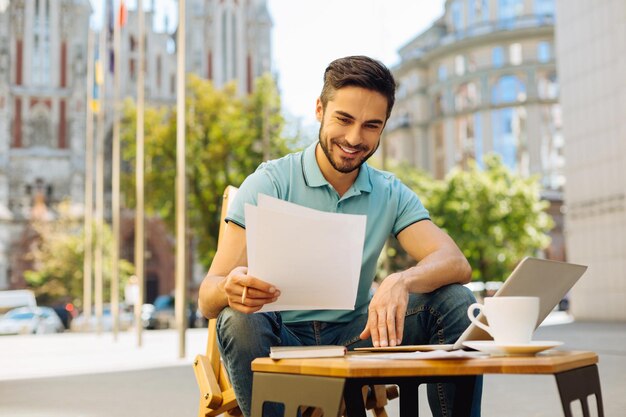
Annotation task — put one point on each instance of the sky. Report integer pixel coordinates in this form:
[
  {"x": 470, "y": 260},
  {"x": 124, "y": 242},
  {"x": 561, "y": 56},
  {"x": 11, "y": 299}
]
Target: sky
[{"x": 309, "y": 34}]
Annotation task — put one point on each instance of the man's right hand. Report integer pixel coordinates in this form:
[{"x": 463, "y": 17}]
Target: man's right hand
[{"x": 258, "y": 292}]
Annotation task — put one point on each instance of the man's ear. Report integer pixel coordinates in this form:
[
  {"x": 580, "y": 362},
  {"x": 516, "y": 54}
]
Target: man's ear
[{"x": 319, "y": 110}]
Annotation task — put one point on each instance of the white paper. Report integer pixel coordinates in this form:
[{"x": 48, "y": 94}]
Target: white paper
[
  {"x": 312, "y": 257},
  {"x": 435, "y": 354}
]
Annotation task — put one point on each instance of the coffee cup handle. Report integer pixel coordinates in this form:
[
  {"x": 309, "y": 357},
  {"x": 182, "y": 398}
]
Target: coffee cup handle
[{"x": 474, "y": 319}]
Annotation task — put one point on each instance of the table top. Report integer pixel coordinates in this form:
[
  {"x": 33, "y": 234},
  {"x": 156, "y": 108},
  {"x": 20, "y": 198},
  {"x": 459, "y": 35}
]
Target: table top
[{"x": 350, "y": 366}]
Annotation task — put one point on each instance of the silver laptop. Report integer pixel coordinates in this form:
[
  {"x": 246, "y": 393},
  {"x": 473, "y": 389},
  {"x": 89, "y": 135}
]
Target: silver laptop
[{"x": 532, "y": 277}]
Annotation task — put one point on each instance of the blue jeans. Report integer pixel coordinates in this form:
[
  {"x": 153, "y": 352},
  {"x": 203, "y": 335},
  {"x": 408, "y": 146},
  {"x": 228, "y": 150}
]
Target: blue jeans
[{"x": 434, "y": 318}]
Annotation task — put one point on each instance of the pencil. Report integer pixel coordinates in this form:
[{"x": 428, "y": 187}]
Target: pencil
[{"x": 243, "y": 294}]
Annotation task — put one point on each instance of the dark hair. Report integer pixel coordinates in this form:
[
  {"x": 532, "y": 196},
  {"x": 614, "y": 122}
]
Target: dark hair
[{"x": 359, "y": 71}]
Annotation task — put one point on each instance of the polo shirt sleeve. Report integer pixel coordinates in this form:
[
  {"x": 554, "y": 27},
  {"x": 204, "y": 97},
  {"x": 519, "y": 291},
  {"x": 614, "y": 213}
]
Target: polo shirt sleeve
[
  {"x": 259, "y": 182},
  {"x": 410, "y": 208}
]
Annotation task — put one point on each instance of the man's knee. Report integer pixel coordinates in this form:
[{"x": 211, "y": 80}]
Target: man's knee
[
  {"x": 456, "y": 294},
  {"x": 246, "y": 332}
]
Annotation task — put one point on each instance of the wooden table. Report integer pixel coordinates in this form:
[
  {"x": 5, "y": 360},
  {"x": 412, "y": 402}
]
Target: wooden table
[{"x": 322, "y": 382}]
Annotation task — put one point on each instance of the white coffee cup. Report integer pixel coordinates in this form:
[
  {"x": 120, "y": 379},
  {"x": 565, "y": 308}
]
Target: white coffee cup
[{"x": 512, "y": 320}]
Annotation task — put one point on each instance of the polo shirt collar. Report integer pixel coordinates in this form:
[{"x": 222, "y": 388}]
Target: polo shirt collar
[{"x": 314, "y": 178}]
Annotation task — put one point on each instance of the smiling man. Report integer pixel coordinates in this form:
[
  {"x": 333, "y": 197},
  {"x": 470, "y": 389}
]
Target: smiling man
[{"x": 425, "y": 304}]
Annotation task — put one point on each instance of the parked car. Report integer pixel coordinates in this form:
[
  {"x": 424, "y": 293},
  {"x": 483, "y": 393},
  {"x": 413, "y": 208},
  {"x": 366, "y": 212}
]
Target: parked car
[
  {"x": 16, "y": 298},
  {"x": 31, "y": 320},
  {"x": 126, "y": 319},
  {"x": 163, "y": 314}
]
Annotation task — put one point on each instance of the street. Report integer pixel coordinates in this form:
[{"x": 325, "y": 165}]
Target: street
[{"x": 169, "y": 389}]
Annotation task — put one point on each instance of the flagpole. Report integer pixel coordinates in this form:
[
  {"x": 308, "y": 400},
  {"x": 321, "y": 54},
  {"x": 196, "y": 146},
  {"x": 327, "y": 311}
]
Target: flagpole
[
  {"x": 139, "y": 178},
  {"x": 100, "y": 176},
  {"x": 88, "y": 226},
  {"x": 181, "y": 239},
  {"x": 115, "y": 174}
]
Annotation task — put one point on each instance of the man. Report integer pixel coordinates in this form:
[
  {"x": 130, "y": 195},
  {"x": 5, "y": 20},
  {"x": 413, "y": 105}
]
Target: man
[{"x": 423, "y": 304}]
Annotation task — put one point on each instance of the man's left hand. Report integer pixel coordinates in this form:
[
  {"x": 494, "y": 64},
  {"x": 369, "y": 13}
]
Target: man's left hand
[{"x": 385, "y": 320}]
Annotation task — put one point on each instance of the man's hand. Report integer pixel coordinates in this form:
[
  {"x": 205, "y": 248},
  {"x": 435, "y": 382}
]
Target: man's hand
[
  {"x": 385, "y": 320},
  {"x": 258, "y": 292}
]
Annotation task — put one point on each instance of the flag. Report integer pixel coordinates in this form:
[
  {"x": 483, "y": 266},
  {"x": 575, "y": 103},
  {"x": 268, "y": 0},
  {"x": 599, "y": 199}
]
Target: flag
[
  {"x": 99, "y": 78},
  {"x": 123, "y": 14}
]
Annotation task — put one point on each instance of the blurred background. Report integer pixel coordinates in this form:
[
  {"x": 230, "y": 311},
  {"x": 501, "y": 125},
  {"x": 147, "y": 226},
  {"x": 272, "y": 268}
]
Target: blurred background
[{"x": 121, "y": 125}]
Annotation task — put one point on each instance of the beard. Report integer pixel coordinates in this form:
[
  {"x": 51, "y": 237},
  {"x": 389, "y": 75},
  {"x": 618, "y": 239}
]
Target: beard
[{"x": 341, "y": 164}]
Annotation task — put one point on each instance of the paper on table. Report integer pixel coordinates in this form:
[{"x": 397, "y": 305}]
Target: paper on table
[
  {"x": 434, "y": 354},
  {"x": 312, "y": 257}
]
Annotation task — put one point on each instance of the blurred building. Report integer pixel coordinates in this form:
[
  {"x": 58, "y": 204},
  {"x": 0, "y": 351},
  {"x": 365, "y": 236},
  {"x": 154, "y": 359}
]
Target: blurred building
[
  {"x": 482, "y": 79},
  {"x": 43, "y": 61},
  {"x": 42, "y": 115},
  {"x": 229, "y": 40},
  {"x": 591, "y": 44}
]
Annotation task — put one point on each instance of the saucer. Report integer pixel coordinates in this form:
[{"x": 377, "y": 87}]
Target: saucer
[{"x": 490, "y": 346}]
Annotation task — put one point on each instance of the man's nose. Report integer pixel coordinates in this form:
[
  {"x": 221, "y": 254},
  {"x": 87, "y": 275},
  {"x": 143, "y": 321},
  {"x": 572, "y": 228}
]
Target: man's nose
[{"x": 353, "y": 136}]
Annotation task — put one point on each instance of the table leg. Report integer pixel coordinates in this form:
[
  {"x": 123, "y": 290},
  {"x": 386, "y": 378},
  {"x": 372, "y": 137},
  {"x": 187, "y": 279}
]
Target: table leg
[
  {"x": 353, "y": 396},
  {"x": 579, "y": 384},
  {"x": 409, "y": 400},
  {"x": 294, "y": 391}
]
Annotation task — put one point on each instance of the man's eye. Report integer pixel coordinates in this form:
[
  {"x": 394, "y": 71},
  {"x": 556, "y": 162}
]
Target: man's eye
[
  {"x": 371, "y": 126},
  {"x": 343, "y": 120}
]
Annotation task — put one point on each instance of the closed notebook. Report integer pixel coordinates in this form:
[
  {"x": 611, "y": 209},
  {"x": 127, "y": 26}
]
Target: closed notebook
[{"x": 291, "y": 352}]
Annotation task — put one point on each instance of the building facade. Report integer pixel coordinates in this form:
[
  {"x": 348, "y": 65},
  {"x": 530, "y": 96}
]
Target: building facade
[
  {"x": 43, "y": 89},
  {"x": 591, "y": 44},
  {"x": 42, "y": 114},
  {"x": 482, "y": 79},
  {"x": 229, "y": 40}
]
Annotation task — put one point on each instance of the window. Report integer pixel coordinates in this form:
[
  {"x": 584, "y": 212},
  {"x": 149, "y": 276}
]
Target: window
[
  {"x": 508, "y": 88},
  {"x": 442, "y": 72},
  {"x": 510, "y": 9},
  {"x": 457, "y": 15},
  {"x": 497, "y": 57},
  {"x": 515, "y": 53},
  {"x": 438, "y": 105},
  {"x": 466, "y": 96},
  {"x": 552, "y": 158},
  {"x": 544, "y": 7},
  {"x": 459, "y": 65},
  {"x": 41, "y": 43},
  {"x": 548, "y": 86},
  {"x": 465, "y": 137},
  {"x": 233, "y": 28},
  {"x": 477, "y": 12},
  {"x": 544, "y": 51},
  {"x": 506, "y": 135}
]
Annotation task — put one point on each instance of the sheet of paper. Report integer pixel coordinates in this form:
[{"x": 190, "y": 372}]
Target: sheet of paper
[
  {"x": 313, "y": 257},
  {"x": 435, "y": 354}
]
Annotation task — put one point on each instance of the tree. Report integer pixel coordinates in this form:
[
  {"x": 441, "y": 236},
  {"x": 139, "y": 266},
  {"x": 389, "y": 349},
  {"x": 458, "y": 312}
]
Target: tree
[
  {"x": 224, "y": 143},
  {"x": 57, "y": 256},
  {"x": 495, "y": 217}
]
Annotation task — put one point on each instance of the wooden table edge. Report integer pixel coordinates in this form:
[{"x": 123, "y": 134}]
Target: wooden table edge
[{"x": 550, "y": 362}]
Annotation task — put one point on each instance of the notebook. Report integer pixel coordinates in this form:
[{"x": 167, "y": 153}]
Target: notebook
[{"x": 532, "y": 277}]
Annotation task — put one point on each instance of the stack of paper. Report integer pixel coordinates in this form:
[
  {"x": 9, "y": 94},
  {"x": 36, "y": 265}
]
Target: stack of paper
[{"x": 312, "y": 257}]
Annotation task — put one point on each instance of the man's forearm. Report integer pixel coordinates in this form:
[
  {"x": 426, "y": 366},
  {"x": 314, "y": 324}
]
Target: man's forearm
[
  {"x": 212, "y": 298},
  {"x": 436, "y": 270}
]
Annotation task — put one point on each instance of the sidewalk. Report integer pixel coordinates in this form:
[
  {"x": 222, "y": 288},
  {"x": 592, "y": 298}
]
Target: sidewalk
[
  {"x": 63, "y": 354},
  {"x": 28, "y": 357}
]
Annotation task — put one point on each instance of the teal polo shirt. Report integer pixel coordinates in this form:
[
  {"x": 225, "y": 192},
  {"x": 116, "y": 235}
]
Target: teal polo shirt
[{"x": 390, "y": 206}]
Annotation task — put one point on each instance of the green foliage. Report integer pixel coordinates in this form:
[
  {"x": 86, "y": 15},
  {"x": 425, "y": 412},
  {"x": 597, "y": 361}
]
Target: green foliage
[
  {"x": 224, "y": 144},
  {"x": 58, "y": 254},
  {"x": 494, "y": 216}
]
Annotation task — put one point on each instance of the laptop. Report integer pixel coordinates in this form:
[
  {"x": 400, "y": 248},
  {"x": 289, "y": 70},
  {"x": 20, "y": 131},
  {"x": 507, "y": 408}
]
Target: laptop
[{"x": 532, "y": 277}]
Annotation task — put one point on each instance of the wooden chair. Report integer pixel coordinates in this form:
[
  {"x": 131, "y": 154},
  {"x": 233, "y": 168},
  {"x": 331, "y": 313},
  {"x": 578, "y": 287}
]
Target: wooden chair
[{"x": 216, "y": 392}]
